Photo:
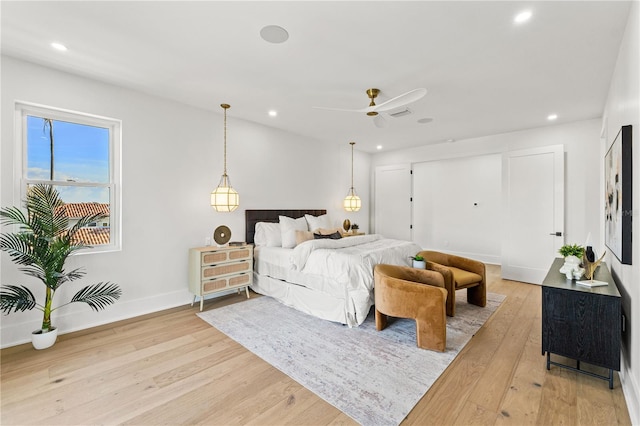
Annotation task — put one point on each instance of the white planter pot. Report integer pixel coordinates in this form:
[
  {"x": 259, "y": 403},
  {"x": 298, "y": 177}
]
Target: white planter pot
[
  {"x": 420, "y": 264},
  {"x": 572, "y": 260},
  {"x": 41, "y": 340}
]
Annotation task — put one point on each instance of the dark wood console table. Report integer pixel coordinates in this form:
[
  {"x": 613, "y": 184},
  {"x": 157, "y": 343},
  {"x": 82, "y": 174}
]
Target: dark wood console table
[{"x": 581, "y": 323}]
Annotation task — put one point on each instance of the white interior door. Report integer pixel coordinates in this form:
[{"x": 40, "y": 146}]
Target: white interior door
[
  {"x": 533, "y": 200},
  {"x": 392, "y": 217}
]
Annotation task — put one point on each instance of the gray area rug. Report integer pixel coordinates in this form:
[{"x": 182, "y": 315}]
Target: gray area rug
[{"x": 375, "y": 377}]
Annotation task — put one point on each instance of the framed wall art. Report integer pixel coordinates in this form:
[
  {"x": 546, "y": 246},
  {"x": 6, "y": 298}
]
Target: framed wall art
[{"x": 618, "y": 202}]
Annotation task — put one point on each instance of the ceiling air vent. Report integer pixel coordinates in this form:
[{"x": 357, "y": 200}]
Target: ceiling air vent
[{"x": 400, "y": 112}]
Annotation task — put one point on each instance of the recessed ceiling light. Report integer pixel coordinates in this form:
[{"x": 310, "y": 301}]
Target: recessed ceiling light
[
  {"x": 522, "y": 17},
  {"x": 379, "y": 147},
  {"x": 59, "y": 46},
  {"x": 273, "y": 113},
  {"x": 451, "y": 140},
  {"x": 274, "y": 34},
  {"x": 425, "y": 120},
  {"x": 552, "y": 117}
]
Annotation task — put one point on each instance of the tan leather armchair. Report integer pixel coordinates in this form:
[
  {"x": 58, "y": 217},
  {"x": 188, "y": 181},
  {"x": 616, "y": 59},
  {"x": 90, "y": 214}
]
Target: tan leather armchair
[
  {"x": 459, "y": 272},
  {"x": 404, "y": 292}
]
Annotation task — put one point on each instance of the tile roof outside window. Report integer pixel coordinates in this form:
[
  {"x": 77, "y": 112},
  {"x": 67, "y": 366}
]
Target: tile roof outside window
[
  {"x": 77, "y": 210},
  {"x": 93, "y": 236}
]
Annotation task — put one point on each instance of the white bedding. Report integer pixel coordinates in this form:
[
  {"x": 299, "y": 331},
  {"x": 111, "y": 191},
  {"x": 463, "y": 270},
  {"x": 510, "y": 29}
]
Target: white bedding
[{"x": 331, "y": 279}]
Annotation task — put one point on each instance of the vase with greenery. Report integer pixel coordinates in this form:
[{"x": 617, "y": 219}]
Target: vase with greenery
[
  {"x": 418, "y": 262},
  {"x": 40, "y": 246},
  {"x": 571, "y": 250}
]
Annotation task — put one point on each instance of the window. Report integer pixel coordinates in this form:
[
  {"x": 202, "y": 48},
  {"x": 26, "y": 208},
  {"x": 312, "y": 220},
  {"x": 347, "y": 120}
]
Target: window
[{"x": 79, "y": 154}]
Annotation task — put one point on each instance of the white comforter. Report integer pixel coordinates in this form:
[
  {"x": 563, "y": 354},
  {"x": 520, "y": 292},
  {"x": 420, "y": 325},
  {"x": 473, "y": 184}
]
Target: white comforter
[
  {"x": 339, "y": 270},
  {"x": 351, "y": 258}
]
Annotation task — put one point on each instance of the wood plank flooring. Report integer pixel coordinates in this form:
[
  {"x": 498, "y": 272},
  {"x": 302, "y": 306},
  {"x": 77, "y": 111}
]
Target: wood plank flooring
[{"x": 173, "y": 368}]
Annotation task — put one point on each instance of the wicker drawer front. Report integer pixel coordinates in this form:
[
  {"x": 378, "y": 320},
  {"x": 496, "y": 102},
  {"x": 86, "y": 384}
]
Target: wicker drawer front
[
  {"x": 225, "y": 269},
  {"x": 215, "y": 257},
  {"x": 226, "y": 282},
  {"x": 240, "y": 280},
  {"x": 214, "y": 285},
  {"x": 240, "y": 254}
]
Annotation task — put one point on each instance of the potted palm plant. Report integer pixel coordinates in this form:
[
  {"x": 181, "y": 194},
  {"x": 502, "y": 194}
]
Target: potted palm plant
[{"x": 43, "y": 242}]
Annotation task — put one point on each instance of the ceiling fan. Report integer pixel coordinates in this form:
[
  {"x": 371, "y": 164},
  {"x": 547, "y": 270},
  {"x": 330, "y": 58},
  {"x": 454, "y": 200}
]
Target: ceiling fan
[{"x": 373, "y": 110}]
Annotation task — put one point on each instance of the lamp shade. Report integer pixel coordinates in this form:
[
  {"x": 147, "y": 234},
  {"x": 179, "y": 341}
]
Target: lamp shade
[
  {"x": 224, "y": 198},
  {"x": 352, "y": 202}
]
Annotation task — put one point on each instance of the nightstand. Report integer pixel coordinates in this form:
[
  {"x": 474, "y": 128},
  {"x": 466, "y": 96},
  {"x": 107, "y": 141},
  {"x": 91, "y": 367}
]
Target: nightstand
[{"x": 215, "y": 269}]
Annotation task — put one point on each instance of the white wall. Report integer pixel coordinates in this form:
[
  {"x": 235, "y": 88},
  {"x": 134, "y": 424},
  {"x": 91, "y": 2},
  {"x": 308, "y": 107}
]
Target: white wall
[
  {"x": 582, "y": 164},
  {"x": 171, "y": 160},
  {"x": 622, "y": 108}
]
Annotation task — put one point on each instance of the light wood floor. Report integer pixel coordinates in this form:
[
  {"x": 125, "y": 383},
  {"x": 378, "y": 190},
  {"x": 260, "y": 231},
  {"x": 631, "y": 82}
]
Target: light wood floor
[{"x": 173, "y": 368}]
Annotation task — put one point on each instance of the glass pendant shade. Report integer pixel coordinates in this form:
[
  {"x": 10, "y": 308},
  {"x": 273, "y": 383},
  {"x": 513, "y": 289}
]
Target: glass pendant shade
[
  {"x": 224, "y": 198},
  {"x": 352, "y": 202}
]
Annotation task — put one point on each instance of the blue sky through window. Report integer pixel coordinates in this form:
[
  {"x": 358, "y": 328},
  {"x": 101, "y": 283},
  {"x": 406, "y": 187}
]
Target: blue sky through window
[{"x": 81, "y": 154}]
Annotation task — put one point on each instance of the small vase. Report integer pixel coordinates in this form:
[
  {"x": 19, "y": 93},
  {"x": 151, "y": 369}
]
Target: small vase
[
  {"x": 44, "y": 340},
  {"x": 420, "y": 264}
]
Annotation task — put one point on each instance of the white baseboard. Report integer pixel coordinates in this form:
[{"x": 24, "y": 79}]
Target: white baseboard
[
  {"x": 631, "y": 393},
  {"x": 82, "y": 317}
]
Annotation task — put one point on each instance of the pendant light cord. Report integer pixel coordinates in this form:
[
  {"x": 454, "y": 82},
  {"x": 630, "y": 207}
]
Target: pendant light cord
[
  {"x": 352, "y": 144},
  {"x": 225, "y": 106}
]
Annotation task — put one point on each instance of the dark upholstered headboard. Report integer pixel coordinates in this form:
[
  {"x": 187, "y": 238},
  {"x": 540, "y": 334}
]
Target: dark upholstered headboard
[{"x": 251, "y": 217}]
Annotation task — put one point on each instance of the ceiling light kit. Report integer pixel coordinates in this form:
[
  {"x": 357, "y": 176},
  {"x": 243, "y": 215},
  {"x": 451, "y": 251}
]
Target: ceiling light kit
[
  {"x": 373, "y": 110},
  {"x": 224, "y": 198}
]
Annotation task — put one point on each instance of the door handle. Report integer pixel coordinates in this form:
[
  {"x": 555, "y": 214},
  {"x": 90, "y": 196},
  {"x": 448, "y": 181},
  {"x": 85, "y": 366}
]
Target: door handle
[{"x": 556, "y": 234}]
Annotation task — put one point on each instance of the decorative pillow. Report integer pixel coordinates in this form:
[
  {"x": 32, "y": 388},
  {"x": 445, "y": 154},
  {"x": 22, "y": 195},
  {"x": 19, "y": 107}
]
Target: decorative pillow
[
  {"x": 302, "y": 236},
  {"x": 268, "y": 234},
  {"x": 324, "y": 231},
  {"x": 288, "y": 228},
  {"x": 335, "y": 236},
  {"x": 316, "y": 222}
]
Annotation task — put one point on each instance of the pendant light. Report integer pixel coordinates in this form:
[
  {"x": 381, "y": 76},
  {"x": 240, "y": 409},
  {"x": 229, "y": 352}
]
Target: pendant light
[
  {"x": 224, "y": 198},
  {"x": 352, "y": 202}
]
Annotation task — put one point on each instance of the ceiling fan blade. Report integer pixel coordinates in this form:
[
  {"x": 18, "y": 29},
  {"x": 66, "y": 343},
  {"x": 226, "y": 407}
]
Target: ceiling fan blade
[
  {"x": 380, "y": 121},
  {"x": 367, "y": 109},
  {"x": 401, "y": 100}
]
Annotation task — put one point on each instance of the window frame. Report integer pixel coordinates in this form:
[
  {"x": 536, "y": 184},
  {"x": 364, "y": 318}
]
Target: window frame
[{"x": 24, "y": 109}]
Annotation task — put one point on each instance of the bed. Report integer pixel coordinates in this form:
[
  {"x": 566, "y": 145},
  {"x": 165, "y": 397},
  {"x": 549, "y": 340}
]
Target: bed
[{"x": 328, "y": 278}]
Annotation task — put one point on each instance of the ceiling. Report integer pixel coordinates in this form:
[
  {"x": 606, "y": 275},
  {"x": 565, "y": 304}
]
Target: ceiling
[{"x": 484, "y": 73}]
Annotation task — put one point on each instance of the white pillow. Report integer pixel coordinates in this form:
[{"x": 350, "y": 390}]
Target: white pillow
[
  {"x": 316, "y": 222},
  {"x": 288, "y": 228},
  {"x": 267, "y": 234}
]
